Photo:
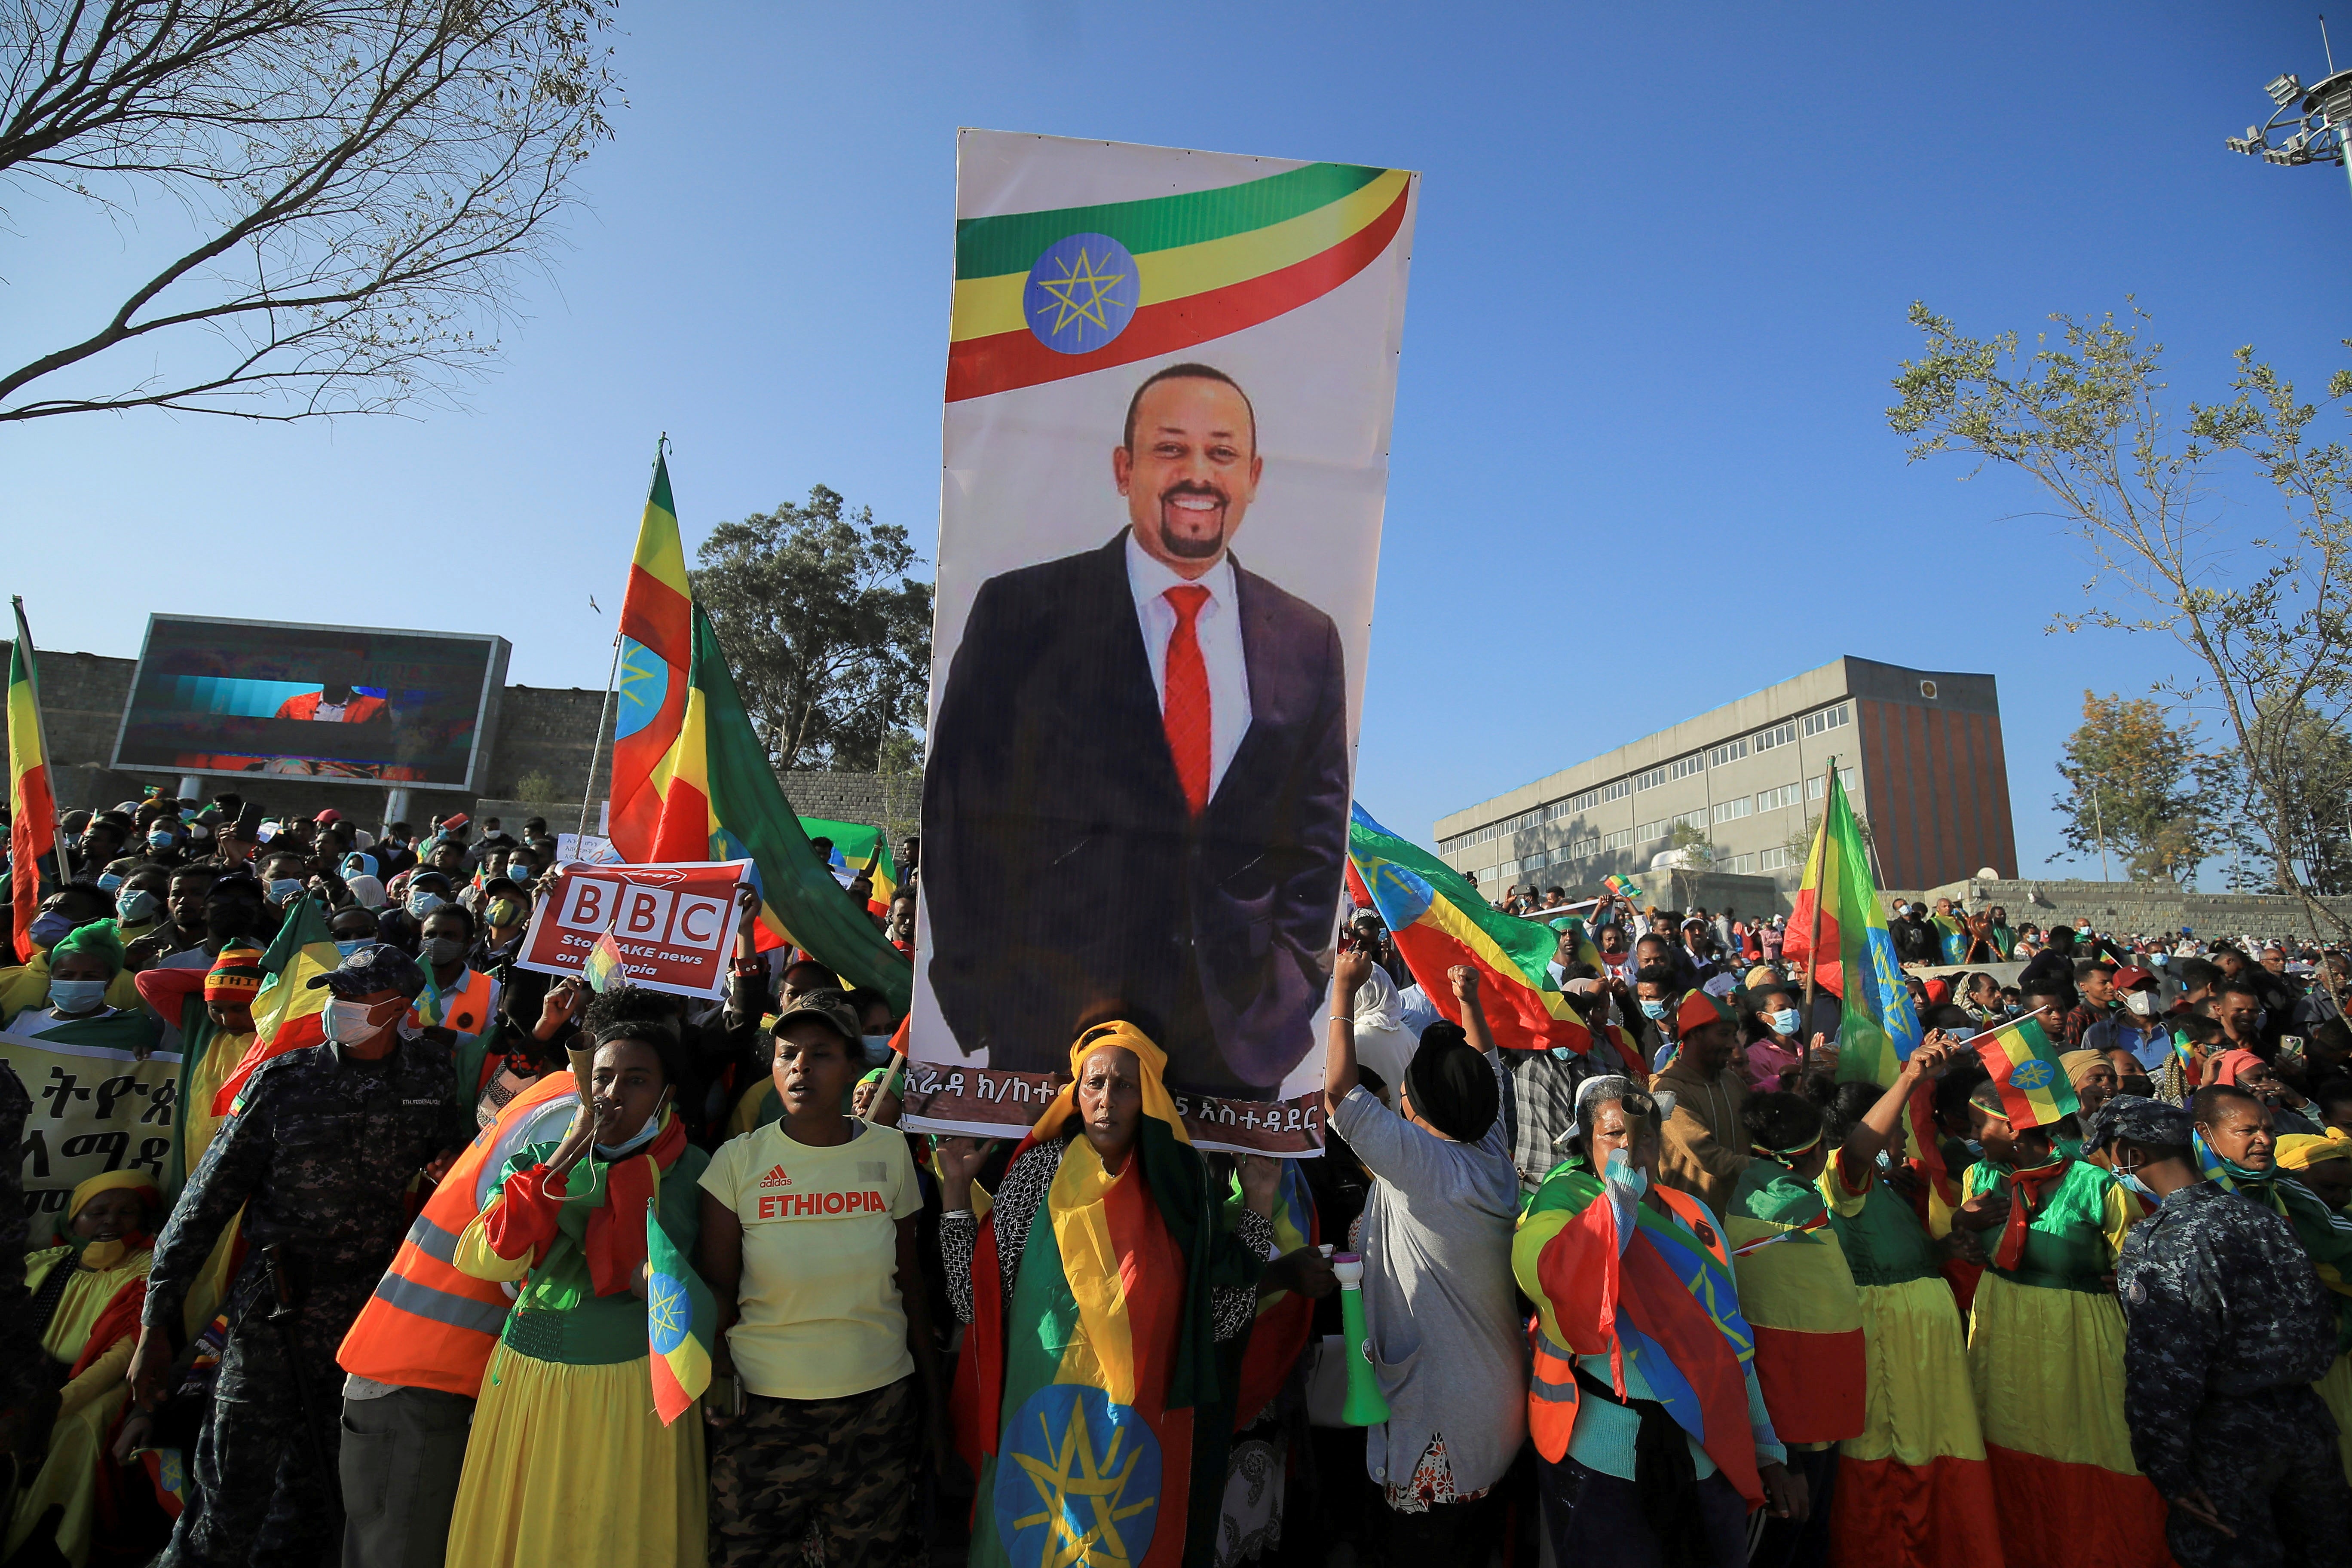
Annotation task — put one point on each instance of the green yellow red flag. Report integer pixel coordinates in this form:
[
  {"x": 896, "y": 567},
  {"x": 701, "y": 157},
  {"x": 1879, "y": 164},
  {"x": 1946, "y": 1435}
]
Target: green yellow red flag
[
  {"x": 657, "y": 647},
  {"x": 32, "y": 808},
  {"x": 2034, "y": 1088}
]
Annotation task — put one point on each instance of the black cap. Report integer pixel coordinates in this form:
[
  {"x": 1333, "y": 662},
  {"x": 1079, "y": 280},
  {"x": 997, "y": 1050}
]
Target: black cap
[{"x": 382, "y": 967}]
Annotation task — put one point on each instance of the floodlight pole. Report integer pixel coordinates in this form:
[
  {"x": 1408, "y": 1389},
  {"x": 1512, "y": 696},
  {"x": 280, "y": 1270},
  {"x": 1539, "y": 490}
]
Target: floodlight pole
[{"x": 2314, "y": 124}]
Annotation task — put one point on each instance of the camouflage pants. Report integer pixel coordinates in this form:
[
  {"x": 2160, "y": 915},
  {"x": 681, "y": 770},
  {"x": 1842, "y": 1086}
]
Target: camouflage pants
[{"x": 847, "y": 1466}]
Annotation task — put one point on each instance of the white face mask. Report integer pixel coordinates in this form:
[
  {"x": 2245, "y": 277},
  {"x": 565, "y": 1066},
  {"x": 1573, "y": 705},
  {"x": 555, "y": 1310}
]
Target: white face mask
[
  {"x": 1784, "y": 1021},
  {"x": 2141, "y": 1002},
  {"x": 346, "y": 1024}
]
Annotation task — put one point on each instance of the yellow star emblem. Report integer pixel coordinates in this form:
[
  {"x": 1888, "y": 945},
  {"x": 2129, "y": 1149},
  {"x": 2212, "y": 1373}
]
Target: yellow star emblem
[
  {"x": 1083, "y": 1499},
  {"x": 1079, "y": 277}
]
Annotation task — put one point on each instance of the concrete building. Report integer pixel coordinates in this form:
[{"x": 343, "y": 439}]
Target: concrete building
[{"x": 1920, "y": 752}]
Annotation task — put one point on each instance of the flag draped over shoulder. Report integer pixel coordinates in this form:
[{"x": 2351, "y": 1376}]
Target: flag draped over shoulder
[
  {"x": 289, "y": 1012},
  {"x": 657, "y": 647},
  {"x": 32, "y": 808},
  {"x": 1284, "y": 1317},
  {"x": 1438, "y": 919},
  {"x": 1652, "y": 1298},
  {"x": 858, "y": 847},
  {"x": 720, "y": 801},
  {"x": 680, "y": 1315}
]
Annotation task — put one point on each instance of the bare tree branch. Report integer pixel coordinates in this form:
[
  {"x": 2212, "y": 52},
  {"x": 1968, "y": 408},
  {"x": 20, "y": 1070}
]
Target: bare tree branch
[{"x": 362, "y": 182}]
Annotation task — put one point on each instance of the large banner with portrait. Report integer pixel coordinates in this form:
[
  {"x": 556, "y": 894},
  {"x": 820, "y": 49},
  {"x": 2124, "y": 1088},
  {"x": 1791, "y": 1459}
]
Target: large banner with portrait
[{"x": 1171, "y": 380}]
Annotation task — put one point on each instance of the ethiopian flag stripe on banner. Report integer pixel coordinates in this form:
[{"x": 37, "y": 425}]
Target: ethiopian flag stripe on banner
[
  {"x": 1438, "y": 920},
  {"x": 1856, "y": 962},
  {"x": 656, "y": 645},
  {"x": 720, "y": 801},
  {"x": 1158, "y": 275},
  {"x": 32, "y": 810},
  {"x": 2034, "y": 1090}
]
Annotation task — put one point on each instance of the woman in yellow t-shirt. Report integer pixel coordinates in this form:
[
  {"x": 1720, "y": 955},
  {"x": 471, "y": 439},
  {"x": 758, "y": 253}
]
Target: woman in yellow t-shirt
[{"x": 808, "y": 1243}]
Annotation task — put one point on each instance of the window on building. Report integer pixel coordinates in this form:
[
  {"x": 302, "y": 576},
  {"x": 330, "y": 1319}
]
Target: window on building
[
  {"x": 1682, "y": 767},
  {"x": 1584, "y": 802},
  {"x": 1775, "y": 799},
  {"x": 1620, "y": 840},
  {"x": 1650, "y": 832},
  {"x": 1729, "y": 752},
  {"x": 1738, "y": 865},
  {"x": 1815, "y": 787},
  {"x": 1696, "y": 819},
  {"x": 1828, "y": 718},
  {"x": 1582, "y": 849},
  {"x": 1732, "y": 810},
  {"x": 1650, "y": 780},
  {"x": 1618, "y": 790},
  {"x": 1778, "y": 859},
  {"x": 1782, "y": 734}
]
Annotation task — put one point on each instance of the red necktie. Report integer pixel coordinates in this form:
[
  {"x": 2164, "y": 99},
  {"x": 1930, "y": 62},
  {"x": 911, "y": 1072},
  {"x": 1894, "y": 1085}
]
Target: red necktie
[{"x": 1184, "y": 711}]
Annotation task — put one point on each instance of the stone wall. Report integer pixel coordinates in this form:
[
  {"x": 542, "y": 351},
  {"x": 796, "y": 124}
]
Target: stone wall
[
  {"x": 892, "y": 801},
  {"x": 2141, "y": 908}
]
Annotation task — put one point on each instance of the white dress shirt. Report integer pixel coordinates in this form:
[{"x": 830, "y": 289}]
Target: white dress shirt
[{"x": 1218, "y": 629}]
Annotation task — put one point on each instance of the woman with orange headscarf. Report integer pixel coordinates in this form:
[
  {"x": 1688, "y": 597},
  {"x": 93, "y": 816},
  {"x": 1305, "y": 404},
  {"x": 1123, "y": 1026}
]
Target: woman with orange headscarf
[
  {"x": 1103, "y": 1292},
  {"x": 85, "y": 1293}
]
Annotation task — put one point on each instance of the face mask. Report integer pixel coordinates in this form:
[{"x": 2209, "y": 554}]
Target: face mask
[
  {"x": 349, "y": 945},
  {"x": 161, "y": 839},
  {"x": 285, "y": 890},
  {"x": 138, "y": 907},
  {"x": 2141, "y": 1002},
  {"x": 108, "y": 882},
  {"x": 608, "y": 1152},
  {"x": 1962, "y": 1033},
  {"x": 77, "y": 995},
  {"x": 347, "y": 1022},
  {"x": 505, "y": 912},
  {"x": 444, "y": 950},
  {"x": 2130, "y": 1178},
  {"x": 50, "y": 928},
  {"x": 422, "y": 903},
  {"x": 1652, "y": 1007},
  {"x": 877, "y": 1050},
  {"x": 1783, "y": 1021}
]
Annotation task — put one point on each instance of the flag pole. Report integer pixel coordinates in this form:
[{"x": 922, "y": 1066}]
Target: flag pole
[
  {"x": 597, "y": 741},
  {"x": 1819, "y": 863},
  {"x": 41, "y": 729}
]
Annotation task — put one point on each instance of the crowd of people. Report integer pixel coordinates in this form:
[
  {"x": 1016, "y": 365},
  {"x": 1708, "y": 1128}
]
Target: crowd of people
[{"x": 1675, "y": 1291}]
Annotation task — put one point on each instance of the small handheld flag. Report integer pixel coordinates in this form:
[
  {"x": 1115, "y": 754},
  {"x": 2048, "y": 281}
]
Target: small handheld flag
[
  {"x": 2034, "y": 1090},
  {"x": 1621, "y": 887},
  {"x": 604, "y": 969},
  {"x": 679, "y": 1311}
]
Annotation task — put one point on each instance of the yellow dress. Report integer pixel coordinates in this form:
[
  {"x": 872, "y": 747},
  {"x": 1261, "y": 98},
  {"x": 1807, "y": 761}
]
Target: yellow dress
[{"x": 68, "y": 1477}]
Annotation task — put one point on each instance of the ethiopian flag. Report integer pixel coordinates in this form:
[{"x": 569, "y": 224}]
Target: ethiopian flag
[
  {"x": 2034, "y": 1088},
  {"x": 858, "y": 847},
  {"x": 720, "y": 801},
  {"x": 1856, "y": 962},
  {"x": 1043, "y": 295},
  {"x": 1438, "y": 919},
  {"x": 679, "y": 1314},
  {"x": 32, "y": 810},
  {"x": 656, "y": 645},
  {"x": 289, "y": 1012}
]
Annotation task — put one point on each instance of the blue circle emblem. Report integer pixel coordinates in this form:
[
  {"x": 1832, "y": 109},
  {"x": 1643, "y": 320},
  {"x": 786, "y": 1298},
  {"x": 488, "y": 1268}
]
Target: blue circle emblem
[
  {"x": 669, "y": 1312},
  {"x": 2031, "y": 1074},
  {"x": 642, "y": 681},
  {"x": 1078, "y": 1480},
  {"x": 1401, "y": 894},
  {"x": 1081, "y": 293}
]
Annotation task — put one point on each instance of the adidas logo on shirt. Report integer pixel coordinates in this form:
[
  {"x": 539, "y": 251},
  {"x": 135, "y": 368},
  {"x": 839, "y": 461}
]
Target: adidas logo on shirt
[{"x": 776, "y": 1178}]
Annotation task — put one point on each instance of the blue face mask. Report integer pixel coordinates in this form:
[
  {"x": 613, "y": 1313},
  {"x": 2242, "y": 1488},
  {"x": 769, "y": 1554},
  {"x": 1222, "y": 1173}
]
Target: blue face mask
[
  {"x": 422, "y": 903},
  {"x": 1652, "y": 1007},
  {"x": 77, "y": 995},
  {"x": 285, "y": 890},
  {"x": 108, "y": 881},
  {"x": 50, "y": 928},
  {"x": 137, "y": 907},
  {"x": 161, "y": 839},
  {"x": 347, "y": 946},
  {"x": 2131, "y": 1179},
  {"x": 1783, "y": 1021},
  {"x": 877, "y": 1050}
]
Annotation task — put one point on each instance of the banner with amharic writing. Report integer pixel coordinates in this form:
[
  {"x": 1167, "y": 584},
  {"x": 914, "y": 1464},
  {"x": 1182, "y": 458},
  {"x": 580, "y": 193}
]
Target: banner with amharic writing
[
  {"x": 1142, "y": 722},
  {"x": 674, "y": 924},
  {"x": 96, "y": 1108}
]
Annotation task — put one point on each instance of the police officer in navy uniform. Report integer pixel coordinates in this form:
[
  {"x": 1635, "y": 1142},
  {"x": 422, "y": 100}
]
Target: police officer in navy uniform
[
  {"x": 318, "y": 1154},
  {"x": 2226, "y": 1327}
]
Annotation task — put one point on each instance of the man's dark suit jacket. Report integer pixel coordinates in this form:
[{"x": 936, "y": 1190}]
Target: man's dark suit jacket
[{"x": 1065, "y": 879}]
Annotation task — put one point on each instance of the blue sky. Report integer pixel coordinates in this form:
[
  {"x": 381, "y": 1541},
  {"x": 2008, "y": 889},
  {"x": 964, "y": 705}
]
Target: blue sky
[{"x": 1641, "y": 461}]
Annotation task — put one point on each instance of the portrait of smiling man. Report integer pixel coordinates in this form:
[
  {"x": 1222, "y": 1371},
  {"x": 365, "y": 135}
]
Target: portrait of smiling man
[{"x": 1136, "y": 801}]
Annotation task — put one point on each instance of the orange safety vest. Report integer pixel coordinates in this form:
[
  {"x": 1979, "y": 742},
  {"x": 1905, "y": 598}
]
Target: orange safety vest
[
  {"x": 430, "y": 1325},
  {"x": 1552, "y": 1393},
  {"x": 469, "y": 1008}
]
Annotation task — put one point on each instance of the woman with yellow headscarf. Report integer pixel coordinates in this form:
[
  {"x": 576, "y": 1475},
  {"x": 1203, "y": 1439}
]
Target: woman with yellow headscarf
[
  {"x": 2322, "y": 1165},
  {"x": 85, "y": 1294},
  {"x": 1103, "y": 1292}
]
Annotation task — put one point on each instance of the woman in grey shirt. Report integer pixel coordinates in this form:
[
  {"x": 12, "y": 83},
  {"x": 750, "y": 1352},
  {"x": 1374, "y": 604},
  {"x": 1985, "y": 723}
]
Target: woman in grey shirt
[{"x": 1447, "y": 1338}]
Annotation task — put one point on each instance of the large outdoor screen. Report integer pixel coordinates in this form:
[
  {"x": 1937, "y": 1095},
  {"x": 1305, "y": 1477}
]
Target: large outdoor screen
[{"x": 215, "y": 696}]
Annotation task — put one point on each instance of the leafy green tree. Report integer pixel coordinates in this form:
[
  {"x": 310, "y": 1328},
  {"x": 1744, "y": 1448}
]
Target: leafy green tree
[
  {"x": 829, "y": 637},
  {"x": 2265, "y": 619},
  {"x": 2130, "y": 775},
  {"x": 2315, "y": 760}
]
